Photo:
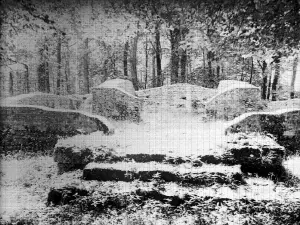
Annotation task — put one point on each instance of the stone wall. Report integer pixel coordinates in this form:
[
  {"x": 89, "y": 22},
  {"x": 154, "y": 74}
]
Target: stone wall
[
  {"x": 37, "y": 128},
  {"x": 177, "y": 91},
  {"x": 256, "y": 153},
  {"x": 283, "y": 124},
  {"x": 234, "y": 100},
  {"x": 45, "y": 99},
  {"x": 116, "y": 103},
  {"x": 125, "y": 85},
  {"x": 286, "y": 104},
  {"x": 41, "y": 118},
  {"x": 185, "y": 97}
]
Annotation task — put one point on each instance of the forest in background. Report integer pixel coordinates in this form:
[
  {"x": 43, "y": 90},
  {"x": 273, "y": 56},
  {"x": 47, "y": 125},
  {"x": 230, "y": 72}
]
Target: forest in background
[{"x": 68, "y": 47}]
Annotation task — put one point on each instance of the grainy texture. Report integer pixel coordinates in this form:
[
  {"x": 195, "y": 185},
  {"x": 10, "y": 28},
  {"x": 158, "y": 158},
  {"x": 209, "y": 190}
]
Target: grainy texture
[
  {"x": 125, "y": 85},
  {"x": 175, "y": 97},
  {"x": 283, "y": 124},
  {"x": 44, "y": 99},
  {"x": 278, "y": 123},
  {"x": 255, "y": 153},
  {"x": 233, "y": 100},
  {"x": 168, "y": 173},
  {"x": 71, "y": 156},
  {"x": 116, "y": 103},
  {"x": 43, "y": 119},
  {"x": 37, "y": 127}
]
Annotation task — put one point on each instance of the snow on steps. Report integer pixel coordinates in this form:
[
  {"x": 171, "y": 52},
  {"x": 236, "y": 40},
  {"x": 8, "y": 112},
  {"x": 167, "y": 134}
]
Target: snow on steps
[
  {"x": 246, "y": 150},
  {"x": 129, "y": 171}
]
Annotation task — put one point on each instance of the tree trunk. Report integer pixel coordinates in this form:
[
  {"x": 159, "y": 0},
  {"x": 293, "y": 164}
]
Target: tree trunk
[
  {"x": 242, "y": 76},
  {"x": 204, "y": 65},
  {"x": 125, "y": 59},
  {"x": 211, "y": 78},
  {"x": 158, "y": 56},
  {"x": 11, "y": 84},
  {"x": 264, "y": 88},
  {"x": 295, "y": 64},
  {"x": 105, "y": 70},
  {"x": 47, "y": 72},
  {"x": 146, "y": 56},
  {"x": 43, "y": 77},
  {"x": 269, "y": 86},
  {"x": 113, "y": 64},
  {"x": 175, "y": 38},
  {"x": 276, "y": 78},
  {"x": 26, "y": 85},
  {"x": 58, "y": 61},
  {"x": 183, "y": 62},
  {"x": 43, "y": 70},
  {"x": 251, "y": 73},
  {"x": 153, "y": 70},
  {"x": 134, "y": 62},
  {"x": 218, "y": 72},
  {"x": 68, "y": 75},
  {"x": 86, "y": 80}
]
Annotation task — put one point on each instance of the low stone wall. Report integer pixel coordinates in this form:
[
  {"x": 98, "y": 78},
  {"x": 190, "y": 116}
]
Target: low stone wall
[
  {"x": 45, "y": 99},
  {"x": 71, "y": 156},
  {"x": 283, "y": 124},
  {"x": 42, "y": 118},
  {"x": 175, "y": 97},
  {"x": 287, "y": 104},
  {"x": 177, "y": 91},
  {"x": 233, "y": 101},
  {"x": 123, "y": 84},
  {"x": 116, "y": 103},
  {"x": 21, "y": 126},
  {"x": 256, "y": 153}
]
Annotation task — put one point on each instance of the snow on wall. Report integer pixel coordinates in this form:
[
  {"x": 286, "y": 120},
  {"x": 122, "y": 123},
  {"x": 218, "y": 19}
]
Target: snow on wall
[
  {"x": 116, "y": 99},
  {"x": 18, "y": 117},
  {"x": 278, "y": 123},
  {"x": 233, "y": 99},
  {"x": 44, "y": 99}
]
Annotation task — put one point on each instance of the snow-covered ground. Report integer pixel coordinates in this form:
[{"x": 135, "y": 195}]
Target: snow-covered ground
[{"x": 164, "y": 132}]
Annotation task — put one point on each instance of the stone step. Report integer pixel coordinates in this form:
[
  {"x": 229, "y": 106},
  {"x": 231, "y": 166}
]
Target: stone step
[
  {"x": 138, "y": 199},
  {"x": 196, "y": 161},
  {"x": 256, "y": 153},
  {"x": 206, "y": 175}
]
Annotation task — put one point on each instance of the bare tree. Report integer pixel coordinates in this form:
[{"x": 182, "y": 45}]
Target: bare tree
[
  {"x": 125, "y": 59},
  {"x": 295, "y": 64},
  {"x": 276, "y": 77},
  {"x": 158, "y": 55},
  {"x": 58, "y": 61},
  {"x": 133, "y": 61},
  {"x": 86, "y": 81}
]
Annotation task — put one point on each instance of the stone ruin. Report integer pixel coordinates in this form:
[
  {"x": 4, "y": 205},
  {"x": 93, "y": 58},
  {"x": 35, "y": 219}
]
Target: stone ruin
[
  {"x": 233, "y": 99},
  {"x": 180, "y": 96},
  {"x": 284, "y": 125},
  {"x": 37, "y": 128},
  {"x": 45, "y": 99},
  {"x": 117, "y": 99}
]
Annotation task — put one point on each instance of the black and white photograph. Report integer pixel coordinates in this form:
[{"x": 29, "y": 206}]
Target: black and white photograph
[{"x": 150, "y": 112}]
